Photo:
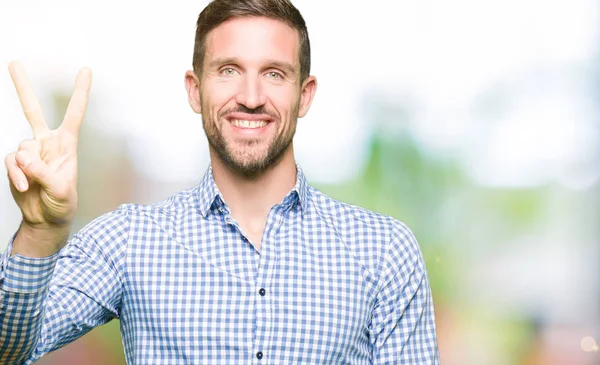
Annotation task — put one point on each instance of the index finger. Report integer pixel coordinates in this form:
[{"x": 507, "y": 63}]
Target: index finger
[
  {"x": 31, "y": 105},
  {"x": 78, "y": 103}
]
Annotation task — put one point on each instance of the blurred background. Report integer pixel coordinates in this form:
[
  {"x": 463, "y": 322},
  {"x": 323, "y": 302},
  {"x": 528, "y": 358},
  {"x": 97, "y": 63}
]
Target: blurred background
[{"x": 474, "y": 122}]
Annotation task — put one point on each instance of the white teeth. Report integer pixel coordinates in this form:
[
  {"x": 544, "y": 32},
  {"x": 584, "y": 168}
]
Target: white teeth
[{"x": 248, "y": 123}]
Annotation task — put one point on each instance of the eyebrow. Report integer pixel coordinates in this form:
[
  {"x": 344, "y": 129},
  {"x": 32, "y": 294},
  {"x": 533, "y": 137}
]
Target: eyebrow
[{"x": 285, "y": 66}]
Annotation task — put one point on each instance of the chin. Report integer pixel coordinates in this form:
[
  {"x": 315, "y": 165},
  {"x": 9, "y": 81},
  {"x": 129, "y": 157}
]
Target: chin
[
  {"x": 250, "y": 170},
  {"x": 246, "y": 165}
]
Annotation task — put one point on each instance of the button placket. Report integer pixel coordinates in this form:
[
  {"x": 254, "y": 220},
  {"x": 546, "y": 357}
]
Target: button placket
[{"x": 263, "y": 303}]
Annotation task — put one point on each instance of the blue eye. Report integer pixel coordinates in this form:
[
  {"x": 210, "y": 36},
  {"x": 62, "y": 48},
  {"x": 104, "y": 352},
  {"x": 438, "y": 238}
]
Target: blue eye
[
  {"x": 228, "y": 71},
  {"x": 274, "y": 75}
]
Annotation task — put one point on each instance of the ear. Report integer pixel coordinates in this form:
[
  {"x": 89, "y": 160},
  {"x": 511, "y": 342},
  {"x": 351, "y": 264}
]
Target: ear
[
  {"x": 309, "y": 87},
  {"x": 192, "y": 85}
]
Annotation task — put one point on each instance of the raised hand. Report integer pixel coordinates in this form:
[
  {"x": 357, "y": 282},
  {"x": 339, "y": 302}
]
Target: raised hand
[{"x": 43, "y": 171}]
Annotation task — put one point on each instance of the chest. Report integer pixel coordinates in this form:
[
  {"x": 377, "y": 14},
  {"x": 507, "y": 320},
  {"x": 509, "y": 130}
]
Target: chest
[{"x": 209, "y": 298}]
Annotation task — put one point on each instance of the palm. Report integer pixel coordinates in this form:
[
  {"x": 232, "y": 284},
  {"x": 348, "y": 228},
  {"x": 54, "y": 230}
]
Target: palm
[{"x": 49, "y": 162}]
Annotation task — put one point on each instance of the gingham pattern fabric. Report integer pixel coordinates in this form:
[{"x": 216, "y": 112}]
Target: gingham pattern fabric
[{"x": 332, "y": 284}]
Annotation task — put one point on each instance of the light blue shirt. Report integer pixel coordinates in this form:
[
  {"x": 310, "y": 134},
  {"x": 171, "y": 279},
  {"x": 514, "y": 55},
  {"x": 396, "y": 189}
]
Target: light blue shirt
[{"x": 331, "y": 284}]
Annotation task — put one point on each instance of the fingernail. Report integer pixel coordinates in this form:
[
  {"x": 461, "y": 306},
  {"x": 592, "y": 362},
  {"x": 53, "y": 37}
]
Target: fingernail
[
  {"x": 25, "y": 163},
  {"x": 21, "y": 186}
]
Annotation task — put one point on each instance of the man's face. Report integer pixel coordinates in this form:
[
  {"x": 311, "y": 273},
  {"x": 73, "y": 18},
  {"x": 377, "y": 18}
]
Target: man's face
[{"x": 250, "y": 94}]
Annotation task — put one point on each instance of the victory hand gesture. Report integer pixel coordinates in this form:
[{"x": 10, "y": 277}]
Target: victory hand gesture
[{"x": 43, "y": 170}]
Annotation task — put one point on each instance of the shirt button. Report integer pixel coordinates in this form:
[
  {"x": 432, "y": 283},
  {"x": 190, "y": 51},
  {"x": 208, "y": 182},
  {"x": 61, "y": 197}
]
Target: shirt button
[
  {"x": 262, "y": 292},
  {"x": 259, "y": 355}
]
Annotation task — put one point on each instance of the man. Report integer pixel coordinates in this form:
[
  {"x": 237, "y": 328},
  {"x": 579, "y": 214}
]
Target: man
[{"x": 251, "y": 266}]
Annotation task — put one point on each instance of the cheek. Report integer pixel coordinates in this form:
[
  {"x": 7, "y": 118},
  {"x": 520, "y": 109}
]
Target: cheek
[
  {"x": 214, "y": 96},
  {"x": 285, "y": 101}
]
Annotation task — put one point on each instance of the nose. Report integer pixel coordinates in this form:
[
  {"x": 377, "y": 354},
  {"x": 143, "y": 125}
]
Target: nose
[{"x": 251, "y": 93}]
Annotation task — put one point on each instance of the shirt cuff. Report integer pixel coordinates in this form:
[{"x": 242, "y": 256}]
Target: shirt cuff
[{"x": 19, "y": 274}]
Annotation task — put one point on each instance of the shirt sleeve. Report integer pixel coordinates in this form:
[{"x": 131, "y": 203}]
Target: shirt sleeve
[
  {"x": 47, "y": 303},
  {"x": 402, "y": 329}
]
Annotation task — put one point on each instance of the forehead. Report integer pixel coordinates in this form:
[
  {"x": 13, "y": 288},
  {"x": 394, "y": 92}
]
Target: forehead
[{"x": 253, "y": 39}]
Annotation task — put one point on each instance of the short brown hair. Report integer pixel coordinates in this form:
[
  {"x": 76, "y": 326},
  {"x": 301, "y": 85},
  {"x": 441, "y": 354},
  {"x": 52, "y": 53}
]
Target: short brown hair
[{"x": 220, "y": 11}]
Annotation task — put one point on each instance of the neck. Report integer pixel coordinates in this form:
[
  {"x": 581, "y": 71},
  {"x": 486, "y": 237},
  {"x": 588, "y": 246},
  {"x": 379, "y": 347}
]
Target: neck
[{"x": 250, "y": 199}]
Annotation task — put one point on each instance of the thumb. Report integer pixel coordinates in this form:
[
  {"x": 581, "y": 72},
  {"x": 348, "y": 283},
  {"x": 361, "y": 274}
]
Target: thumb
[{"x": 35, "y": 169}]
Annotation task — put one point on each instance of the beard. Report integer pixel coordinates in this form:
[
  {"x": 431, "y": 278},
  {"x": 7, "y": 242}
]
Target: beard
[{"x": 247, "y": 161}]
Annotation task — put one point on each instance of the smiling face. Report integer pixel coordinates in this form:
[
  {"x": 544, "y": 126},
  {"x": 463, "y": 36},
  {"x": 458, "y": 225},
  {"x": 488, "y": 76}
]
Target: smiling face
[{"x": 250, "y": 93}]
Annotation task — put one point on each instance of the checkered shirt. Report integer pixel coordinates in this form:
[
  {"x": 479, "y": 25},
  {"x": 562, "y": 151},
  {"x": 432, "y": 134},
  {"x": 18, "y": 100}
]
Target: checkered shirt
[{"x": 331, "y": 284}]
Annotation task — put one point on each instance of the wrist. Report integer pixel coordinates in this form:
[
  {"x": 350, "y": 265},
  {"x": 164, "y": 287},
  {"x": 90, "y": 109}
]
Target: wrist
[{"x": 39, "y": 240}]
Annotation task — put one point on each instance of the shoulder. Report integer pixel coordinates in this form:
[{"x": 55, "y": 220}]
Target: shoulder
[
  {"x": 373, "y": 236},
  {"x": 117, "y": 223},
  {"x": 353, "y": 218},
  {"x": 172, "y": 205}
]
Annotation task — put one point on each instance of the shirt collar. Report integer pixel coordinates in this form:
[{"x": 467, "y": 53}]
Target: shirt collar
[
  {"x": 208, "y": 194},
  {"x": 300, "y": 191}
]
